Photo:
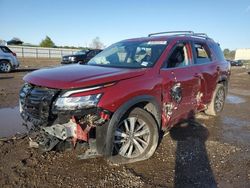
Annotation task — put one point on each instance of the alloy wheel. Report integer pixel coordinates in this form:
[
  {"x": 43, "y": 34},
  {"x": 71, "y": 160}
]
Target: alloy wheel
[
  {"x": 219, "y": 100},
  {"x": 132, "y": 137},
  {"x": 5, "y": 67}
]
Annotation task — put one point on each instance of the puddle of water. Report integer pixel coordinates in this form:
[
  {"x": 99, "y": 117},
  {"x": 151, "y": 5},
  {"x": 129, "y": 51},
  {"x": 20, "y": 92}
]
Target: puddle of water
[
  {"x": 235, "y": 130},
  {"x": 10, "y": 122},
  {"x": 236, "y": 122},
  {"x": 233, "y": 99},
  {"x": 243, "y": 92}
]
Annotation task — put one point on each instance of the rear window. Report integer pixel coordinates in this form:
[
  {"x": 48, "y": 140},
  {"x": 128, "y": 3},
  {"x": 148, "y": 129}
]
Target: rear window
[
  {"x": 202, "y": 54},
  {"x": 5, "y": 49},
  {"x": 217, "y": 50}
]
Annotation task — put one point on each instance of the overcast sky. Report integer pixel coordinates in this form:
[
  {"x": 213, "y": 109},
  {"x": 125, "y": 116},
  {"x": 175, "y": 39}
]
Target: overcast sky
[{"x": 76, "y": 23}]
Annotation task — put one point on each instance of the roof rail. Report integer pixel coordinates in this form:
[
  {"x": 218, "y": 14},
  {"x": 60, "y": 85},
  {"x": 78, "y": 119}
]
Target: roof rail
[
  {"x": 201, "y": 34},
  {"x": 181, "y": 33},
  {"x": 172, "y": 32}
]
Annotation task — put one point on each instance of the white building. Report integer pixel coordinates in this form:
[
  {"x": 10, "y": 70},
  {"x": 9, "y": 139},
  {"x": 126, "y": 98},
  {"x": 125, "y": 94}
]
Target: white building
[{"x": 242, "y": 54}]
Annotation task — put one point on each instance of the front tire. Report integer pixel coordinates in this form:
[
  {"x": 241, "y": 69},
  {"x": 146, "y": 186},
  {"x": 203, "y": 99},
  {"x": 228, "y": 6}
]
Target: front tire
[
  {"x": 136, "y": 136},
  {"x": 5, "y": 66},
  {"x": 218, "y": 101}
]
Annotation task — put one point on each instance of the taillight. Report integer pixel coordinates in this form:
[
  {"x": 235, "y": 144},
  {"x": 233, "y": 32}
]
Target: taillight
[{"x": 14, "y": 54}]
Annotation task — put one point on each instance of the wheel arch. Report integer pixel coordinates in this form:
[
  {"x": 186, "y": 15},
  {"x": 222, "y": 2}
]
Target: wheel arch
[
  {"x": 147, "y": 102},
  {"x": 4, "y": 59},
  {"x": 224, "y": 81}
]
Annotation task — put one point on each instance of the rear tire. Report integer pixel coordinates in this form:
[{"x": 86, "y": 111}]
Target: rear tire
[
  {"x": 218, "y": 101},
  {"x": 136, "y": 136},
  {"x": 5, "y": 66}
]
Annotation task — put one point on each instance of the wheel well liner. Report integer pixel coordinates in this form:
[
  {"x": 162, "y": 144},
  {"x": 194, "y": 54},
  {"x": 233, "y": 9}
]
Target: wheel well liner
[{"x": 224, "y": 80}]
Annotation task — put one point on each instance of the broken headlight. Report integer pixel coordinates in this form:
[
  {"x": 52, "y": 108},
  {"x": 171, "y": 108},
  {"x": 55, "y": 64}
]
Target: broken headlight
[{"x": 74, "y": 103}]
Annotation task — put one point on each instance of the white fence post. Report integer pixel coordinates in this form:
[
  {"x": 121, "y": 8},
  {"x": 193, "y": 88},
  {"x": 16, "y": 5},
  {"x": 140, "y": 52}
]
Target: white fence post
[
  {"x": 49, "y": 54},
  {"x": 36, "y": 53},
  {"x": 22, "y": 52}
]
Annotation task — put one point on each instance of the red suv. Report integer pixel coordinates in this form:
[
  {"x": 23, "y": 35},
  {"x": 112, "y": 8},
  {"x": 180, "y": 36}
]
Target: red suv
[{"x": 126, "y": 95}]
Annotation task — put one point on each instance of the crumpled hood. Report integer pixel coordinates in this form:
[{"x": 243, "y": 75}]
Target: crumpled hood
[{"x": 79, "y": 76}]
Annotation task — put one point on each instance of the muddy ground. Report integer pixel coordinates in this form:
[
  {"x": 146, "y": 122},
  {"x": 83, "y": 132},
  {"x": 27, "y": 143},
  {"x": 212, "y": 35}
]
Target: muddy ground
[
  {"x": 210, "y": 152},
  {"x": 11, "y": 83}
]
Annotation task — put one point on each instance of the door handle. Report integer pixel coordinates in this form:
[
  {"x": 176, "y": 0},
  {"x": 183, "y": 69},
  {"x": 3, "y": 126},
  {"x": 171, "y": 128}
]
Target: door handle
[{"x": 196, "y": 75}]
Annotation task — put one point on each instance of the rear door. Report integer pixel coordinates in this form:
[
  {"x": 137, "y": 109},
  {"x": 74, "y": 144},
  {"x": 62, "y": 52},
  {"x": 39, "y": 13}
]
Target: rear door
[
  {"x": 180, "y": 85},
  {"x": 208, "y": 67}
]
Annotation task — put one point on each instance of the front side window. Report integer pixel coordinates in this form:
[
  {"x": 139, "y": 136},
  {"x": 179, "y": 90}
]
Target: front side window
[
  {"x": 130, "y": 54},
  {"x": 202, "y": 53},
  {"x": 179, "y": 57}
]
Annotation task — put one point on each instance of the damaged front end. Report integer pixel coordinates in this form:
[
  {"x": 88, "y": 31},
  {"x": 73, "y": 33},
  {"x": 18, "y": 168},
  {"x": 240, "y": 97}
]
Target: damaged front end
[{"x": 62, "y": 121}]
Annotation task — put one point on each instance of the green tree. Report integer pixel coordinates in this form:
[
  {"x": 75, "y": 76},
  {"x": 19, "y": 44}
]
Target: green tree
[
  {"x": 47, "y": 42},
  {"x": 229, "y": 54},
  {"x": 226, "y": 51}
]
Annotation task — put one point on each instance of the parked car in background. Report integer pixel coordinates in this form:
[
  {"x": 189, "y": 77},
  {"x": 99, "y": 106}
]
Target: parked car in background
[
  {"x": 82, "y": 56},
  {"x": 121, "y": 101},
  {"x": 8, "y": 60},
  {"x": 235, "y": 63}
]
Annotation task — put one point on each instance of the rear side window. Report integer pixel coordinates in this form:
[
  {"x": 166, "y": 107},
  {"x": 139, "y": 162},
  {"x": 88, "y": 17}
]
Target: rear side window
[
  {"x": 217, "y": 50},
  {"x": 5, "y": 49},
  {"x": 202, "y": 53}
]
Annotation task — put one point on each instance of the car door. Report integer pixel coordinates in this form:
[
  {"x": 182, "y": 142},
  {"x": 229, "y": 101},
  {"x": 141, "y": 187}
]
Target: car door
[
  {"x": 208, "y": 67},
  {"x": 180, "y": 84}
]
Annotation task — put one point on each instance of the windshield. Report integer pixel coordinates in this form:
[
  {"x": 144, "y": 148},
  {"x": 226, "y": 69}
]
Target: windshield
[
  {"x": 130, "y": 54},
  {"x": 82, "y": 52}
]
